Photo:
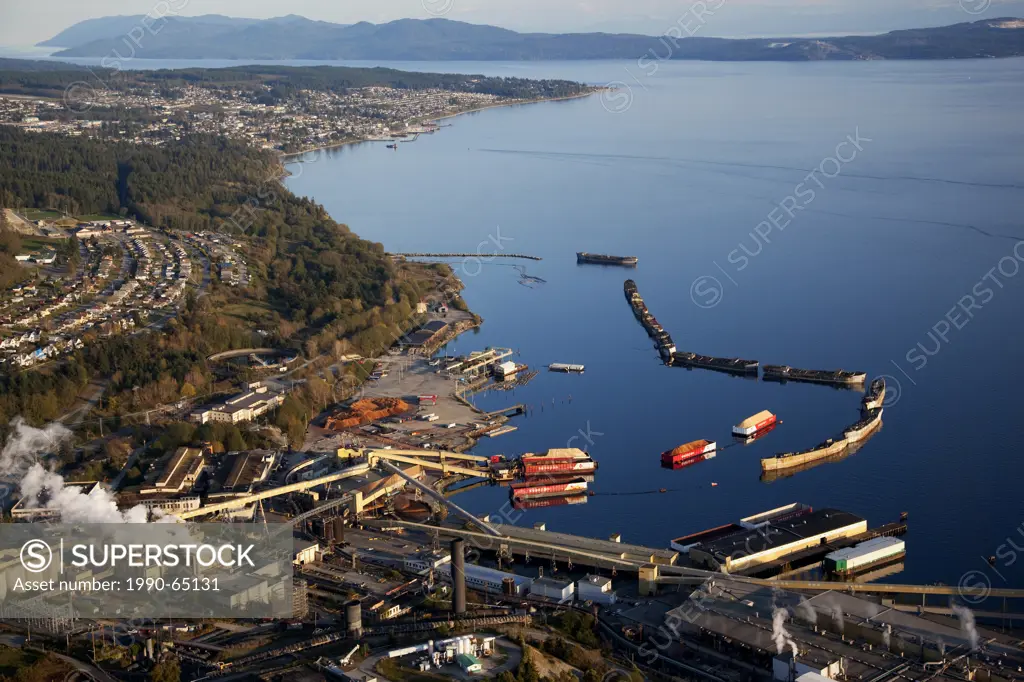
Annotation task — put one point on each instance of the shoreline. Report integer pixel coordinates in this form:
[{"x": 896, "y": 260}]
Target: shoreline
[{"x": 289, "y": 157}]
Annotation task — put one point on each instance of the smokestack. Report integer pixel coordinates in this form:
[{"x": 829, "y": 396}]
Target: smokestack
[
  {"x": 458, "y": 576},
  {"x": 354, "y": 619}
]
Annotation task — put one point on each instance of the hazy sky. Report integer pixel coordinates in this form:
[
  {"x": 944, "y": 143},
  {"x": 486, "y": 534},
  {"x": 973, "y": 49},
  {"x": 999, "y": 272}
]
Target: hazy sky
[{"x": 24, "y": 22}]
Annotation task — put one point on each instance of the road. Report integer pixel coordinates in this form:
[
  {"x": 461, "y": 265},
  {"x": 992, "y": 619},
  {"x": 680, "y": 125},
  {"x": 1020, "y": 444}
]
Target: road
[
  {"x": 87, "y": 669},
  {"x": 91, "y": 396}
]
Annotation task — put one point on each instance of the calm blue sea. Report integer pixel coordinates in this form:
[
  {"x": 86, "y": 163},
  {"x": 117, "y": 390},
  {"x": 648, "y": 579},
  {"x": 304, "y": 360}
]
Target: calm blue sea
[{"x": 900, "y": 263}]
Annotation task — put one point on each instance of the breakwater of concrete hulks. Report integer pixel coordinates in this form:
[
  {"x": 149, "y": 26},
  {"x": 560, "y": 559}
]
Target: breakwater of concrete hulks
[{"x": 863, "y": 428}]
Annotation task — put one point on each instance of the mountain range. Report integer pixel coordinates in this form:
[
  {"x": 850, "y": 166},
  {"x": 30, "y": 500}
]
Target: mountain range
[{"x": 295, "y": 37}]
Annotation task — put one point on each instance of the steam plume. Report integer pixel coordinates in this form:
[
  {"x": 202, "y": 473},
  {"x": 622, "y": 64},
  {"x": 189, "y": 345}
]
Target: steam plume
[
  {"x": 967, "y": 625},
  {"x": 807, "y": 611},
  {"x": 780, "y": 634},
  {"x": 24, "y": 459}
]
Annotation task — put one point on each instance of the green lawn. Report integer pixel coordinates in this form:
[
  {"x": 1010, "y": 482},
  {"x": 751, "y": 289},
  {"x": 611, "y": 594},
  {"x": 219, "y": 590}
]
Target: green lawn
[
  {"x": 40, "y": 243},
  {"x": 38, "y": 214}
]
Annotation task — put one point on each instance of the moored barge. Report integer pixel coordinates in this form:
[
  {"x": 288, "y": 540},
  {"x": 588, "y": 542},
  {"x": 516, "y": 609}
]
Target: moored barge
[
  {"x": 539, "y": 503},
  {"x": 527, "y": 490},
  {"x": 751, "y": 426},
  {"x": 555, "y": 466},
  {"x": 730, "y": 365},
  {"x": 601, "y": 259},
  {"x": 820, "y": 376},
  {"x": 690, "y": 452}
]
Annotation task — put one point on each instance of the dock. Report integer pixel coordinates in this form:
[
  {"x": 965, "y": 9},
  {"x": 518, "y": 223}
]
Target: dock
[{"x": 521, "y": 256}]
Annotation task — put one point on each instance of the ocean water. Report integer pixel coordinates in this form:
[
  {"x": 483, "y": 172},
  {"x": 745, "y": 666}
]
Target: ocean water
[{"x": 905, "y": 261}]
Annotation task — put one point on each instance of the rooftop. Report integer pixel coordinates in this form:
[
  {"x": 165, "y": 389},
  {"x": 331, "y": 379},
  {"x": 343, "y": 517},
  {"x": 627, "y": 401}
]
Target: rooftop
[{"x": 782, "y": 533}]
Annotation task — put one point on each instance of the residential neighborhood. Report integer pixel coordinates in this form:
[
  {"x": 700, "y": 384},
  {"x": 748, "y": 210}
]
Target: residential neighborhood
[
  {"x": 120, "y": 276},
  {"x": 307, "y": 120}
]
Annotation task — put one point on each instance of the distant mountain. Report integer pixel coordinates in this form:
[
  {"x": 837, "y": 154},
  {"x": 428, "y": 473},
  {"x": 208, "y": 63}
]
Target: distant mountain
[{"x": 295, "y": 37}]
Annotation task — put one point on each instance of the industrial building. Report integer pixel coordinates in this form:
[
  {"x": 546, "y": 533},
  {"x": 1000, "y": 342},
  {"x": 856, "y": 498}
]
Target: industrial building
[
  {"x": 239, "y": 472},
  {"x": 595, "y": 588},
  {"x": 180, "y": 474},
  {"x": 256, "y": 401},
  {"x": 305, "y": 551},
  {"x": 484, "y": 579},
  {"x": 41, "y": 510},
  {"x": 424, "y": 335},
  {"x": 550, "y": 588},
  {"x": 422, "y": 562},
  {"x": 745, "y": 549},
  {"x": 837, "y": 636}
]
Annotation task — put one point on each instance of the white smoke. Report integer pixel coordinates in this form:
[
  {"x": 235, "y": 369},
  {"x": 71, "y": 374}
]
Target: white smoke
[
  {"x": 24, "y": 458},
  {"x": 941, "y": 645},
  {"x": 887, "y": 636},
  {"x": 26, "y": 445},
  {"x": 967, "y": 625},
  {"x": 807, "y": 612},
  {"x": 780, "y": 634},
  {"x": 837, "y": 618}
]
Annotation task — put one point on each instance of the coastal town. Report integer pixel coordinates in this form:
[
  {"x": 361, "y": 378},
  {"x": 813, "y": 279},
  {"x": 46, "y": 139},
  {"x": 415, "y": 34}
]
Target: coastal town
[
  {"x": 192, "y": 356},
  {"x": 303, "y": 120}
]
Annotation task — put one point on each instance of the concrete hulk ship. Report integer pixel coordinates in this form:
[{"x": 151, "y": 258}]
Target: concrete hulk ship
[
  {"x": 833, "y": 447},
  {"x": 600, "y": 259},
  {"x": 875, "y": 396},
  {"x": 820, "y": 376}
]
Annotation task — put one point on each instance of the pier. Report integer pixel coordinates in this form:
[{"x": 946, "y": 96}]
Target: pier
[{"x": 466, "y": 255}]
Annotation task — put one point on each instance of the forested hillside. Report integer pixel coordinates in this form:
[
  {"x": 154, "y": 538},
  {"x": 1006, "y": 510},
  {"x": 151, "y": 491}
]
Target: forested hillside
[{"x": 320, "y": 288}]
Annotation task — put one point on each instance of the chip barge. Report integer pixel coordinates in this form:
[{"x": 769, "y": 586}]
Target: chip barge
[
  {"x": 557, "y": 501},
  {"x": 875, "y": 396},
  {"x": 527, "y": 491},
  {"x": 819, "y": 376},
  {"x": 752, "y": 426},
  {"x": 682, "y": 455},
  {"x": 600, "y": 259},
  {"x": 542, "y": 466}
]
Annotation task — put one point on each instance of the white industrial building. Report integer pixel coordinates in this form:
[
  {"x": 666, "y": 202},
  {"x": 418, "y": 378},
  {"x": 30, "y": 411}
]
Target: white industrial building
[
  {"x": 559, "y": 590},
  {"x": 786, "y": 669},
  {"x": 424, "y": 561},
  {"x": 595, "y": 588},
  {"x": 253, "y": 403},
  {"x": 485, "y": 579}
]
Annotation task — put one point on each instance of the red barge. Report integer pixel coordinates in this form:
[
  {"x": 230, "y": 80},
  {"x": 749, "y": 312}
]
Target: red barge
[
  {"x": 526, "y": 491},
  {"x": 688, "y": 453}
]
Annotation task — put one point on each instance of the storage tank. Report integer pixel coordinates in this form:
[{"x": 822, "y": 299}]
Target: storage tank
[
  {"x": 458, "y": 576},
  {"x": 354, "y": 619},
  {"x": 339, "y": 529},
  {"x": 508, "y": 587}
]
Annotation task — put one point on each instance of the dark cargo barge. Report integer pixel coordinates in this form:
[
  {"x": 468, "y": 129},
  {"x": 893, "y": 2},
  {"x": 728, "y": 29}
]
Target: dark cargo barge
[
  {"x": 729, "y": 365},
  {"x": 601, "y": 259},
  {"x": 819, "y": 376}
]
